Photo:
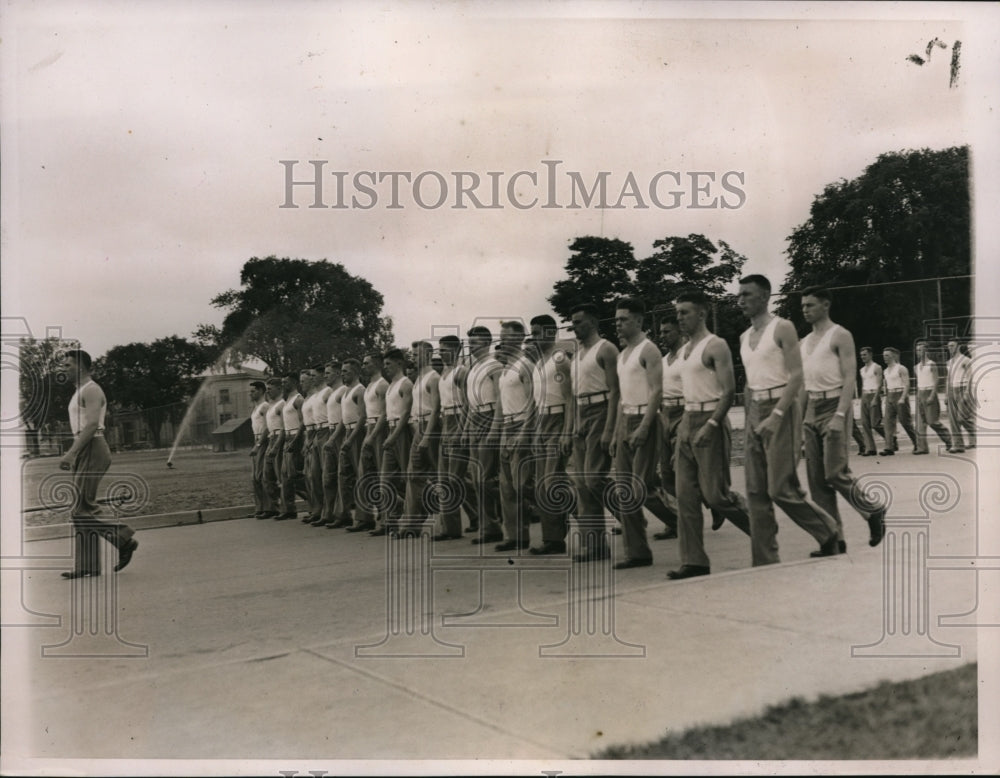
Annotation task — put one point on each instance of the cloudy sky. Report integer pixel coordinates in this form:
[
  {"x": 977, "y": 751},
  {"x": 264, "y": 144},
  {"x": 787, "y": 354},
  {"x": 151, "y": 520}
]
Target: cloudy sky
[{"x": 142, "y": 144}]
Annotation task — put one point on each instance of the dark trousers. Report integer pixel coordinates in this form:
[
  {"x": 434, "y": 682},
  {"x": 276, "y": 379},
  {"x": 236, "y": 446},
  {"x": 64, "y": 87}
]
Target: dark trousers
[
  {"x": 89, "y": 467},
  {"x": 772, "y": 480},
  {"x": 453, "y": 471},
  {"x": 703, "y": 476},
  {"x": 670, "y": 422},
  {"x": 929, "y": 415},
  {"x": 635, "y": 479},
  {"x": 553, "y": 491},
  {"x": 421, "y": 475},
  {"x": 369, "y": 483},
  {"x": 273, "y": 457},
  {"x": 898, "y": 412},
  {"x": 515, "y": 468},
  {"x": 871, "y": 420},
  {"x": 330, "y": 463},
  {"x": 395, "y": 461},
  {"x": 484, "y": 461},
  {"x": 961, "y": 416},
  {"x": 827, "y": 465},
  {"x": 349, "y": 472},
  {"x": 293, "y": 480},
  {"x": 314, "y": 470},
  {"x": 591, "y": 474},
  {"x": 261, "y": 499}
]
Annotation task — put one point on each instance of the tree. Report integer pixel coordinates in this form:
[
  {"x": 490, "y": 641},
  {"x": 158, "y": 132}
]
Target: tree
[
  {"x": 292, "y": 313},
  {"x": 906, "y": 217},
  {"x": 604, "y": 269},
  {"x": 599, "y": 272},
  {"x": 157, "y": 378},
  {"x": 43, "y": 391}
]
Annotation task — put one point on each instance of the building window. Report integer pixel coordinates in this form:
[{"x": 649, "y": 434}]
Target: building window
[{"x": 223, "y": 395}]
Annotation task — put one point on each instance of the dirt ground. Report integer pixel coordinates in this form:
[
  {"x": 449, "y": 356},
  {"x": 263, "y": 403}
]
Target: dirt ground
[{"x": 200, "y": 479}]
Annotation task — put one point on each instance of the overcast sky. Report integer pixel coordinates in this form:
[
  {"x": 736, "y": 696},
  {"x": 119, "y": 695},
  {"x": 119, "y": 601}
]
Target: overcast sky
[{"x": 142, "y": 145}]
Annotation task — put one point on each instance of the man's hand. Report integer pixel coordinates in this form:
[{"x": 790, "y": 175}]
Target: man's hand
[
  {"x": 637, "y": 438},
  {"x": 836, "y": 425},
  {"x": 66, "y": 462},
  {"x": 704, "y": 436},
  {"x": 607, "y": 441},
  {"x": 766, "y": 429}
]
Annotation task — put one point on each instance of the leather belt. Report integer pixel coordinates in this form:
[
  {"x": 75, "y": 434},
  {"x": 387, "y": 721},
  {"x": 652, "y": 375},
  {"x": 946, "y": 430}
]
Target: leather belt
[
  {"x": 485, "y": 408},
  {"x": 773, "y": 393},
  {"x": 350, "y": 425},
  {"x": 671, "y": 402},
  {"x": 291, "y": 432},
  {"x": 451, "y": 410},
  {"x": 824, "y": 395},
  {"x": 633, "y": 410},
  {"x": 869, "y": 392},
  {"x": 708, "y": 405},
  {"x": 551, "y": 410},
  {"x": 393, "y": 423},
  {"x": 514, "y": 417},
  {"x": 592, "y": 399}
]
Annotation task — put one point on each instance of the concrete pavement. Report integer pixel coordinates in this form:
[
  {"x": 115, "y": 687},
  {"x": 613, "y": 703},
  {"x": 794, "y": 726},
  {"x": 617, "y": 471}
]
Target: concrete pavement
[{"x": 253, "y": 639}]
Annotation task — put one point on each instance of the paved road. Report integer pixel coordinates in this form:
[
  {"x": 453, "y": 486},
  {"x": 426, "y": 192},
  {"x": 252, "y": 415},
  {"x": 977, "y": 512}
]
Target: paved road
[{"x": 254, "y": 639}]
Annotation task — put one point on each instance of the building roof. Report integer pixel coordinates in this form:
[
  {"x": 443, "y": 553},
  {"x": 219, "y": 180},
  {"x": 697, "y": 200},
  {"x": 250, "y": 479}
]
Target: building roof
[{"x": 230, "y": 426}]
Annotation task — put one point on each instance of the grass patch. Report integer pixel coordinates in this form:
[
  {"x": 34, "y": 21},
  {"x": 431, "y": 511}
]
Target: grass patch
[{"x": 934, "y": 717}]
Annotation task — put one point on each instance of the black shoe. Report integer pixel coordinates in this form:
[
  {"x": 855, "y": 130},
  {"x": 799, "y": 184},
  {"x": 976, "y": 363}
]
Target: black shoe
[
  {"x": 471, "y": 529},
  {"x": 490, "y": 538},
  {"x": 667, "y": 534},
  {"x": 549, "y": 547},
  {"x": 511, "y": 545},
  {"x": 688, "y": 571},
  {"x": 591, "y": 555},
  {"x": 340, "y": 523},
  {"x": 364, "y": 526},
  {"x": 379, "y": 532},
  {"x": 286, "y": 516},
  {"x": 956, "y": 450},
  {"x": 842, "y": 546},
  {"x": 869, "y": 453},
  {"x": 830, "y": 548},
  {"x": 445, "y": 536},
  {"x": 717, "y": 520},
  {"x": 407, "y": 532},
  {"x": 308, "y": 518},
  {"x": 918, "y": 453},
  {"x": 625, "y": 564},
  {"x": 886, "y": 452},
  {"x": 616, "y": 530},
  {"x": 78, "y": 574},
  {"x": 125, "y": 554},
  {"x": 319, "y": 521},
  {"x": 876, "y": 527}
]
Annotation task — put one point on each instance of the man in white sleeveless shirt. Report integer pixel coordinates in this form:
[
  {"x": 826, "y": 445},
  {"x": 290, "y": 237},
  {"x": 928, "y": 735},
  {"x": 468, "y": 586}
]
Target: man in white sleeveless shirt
[
  {"x": 640, "y": 381},
  {"x": 961, "y": 403},
  {"x": 552, "y": 395},
  {"x": 311, "y": 470},
  {"x": 828, "y": 368},
  {"x": 453, "y": 462},
  {"x": 258, "y": 425},
  {"x": 292, "y": 476},
  {"x": 871, "y": 408},
  {"x": 514, "y": 415},
  {"x": 89, "y": 458},
  {"x": 274, "y": 455},
  {"x": 928, "y": 405},
  {"x": 375, "y": 430},
  {"x": 321, "y": 433},
  {"x": 671, "y": 412},
  {"x": 897, "y": 400},
  {"x": 773, "y": 363},
  {"x": 594, "y": 412},
  {"x": 352, "y": 417},
  {"x": 482, "y": 432},
  {"x": 333, "y": 511},
  {"x": 425, "y": 421},
  {"x": 396, "y": 446},
  {"x": 704, "y": 437}
]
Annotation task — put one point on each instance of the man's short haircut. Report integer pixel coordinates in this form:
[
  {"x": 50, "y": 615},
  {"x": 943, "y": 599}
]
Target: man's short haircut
[
  {"x": 450, "y": 341},
  {"x": 759, "y": 280},
  {"x": 547, "y": 323},
  {"x": 479, "y": 331},
  {"x": 396, "y": 355},
  {"x": 274, "y": 381},
  {"x": 258, "y": 385},
  {"x": 866, "y": 348},
  {"x": 353, "y": 363},
  {"x": 294, "y": 375},
  {"x": 587, "y": 309},
  {"x": 422, "y": 344},
  {"x": 82, "y": 358},
  {"x": 318, "y": 369},
  {"x": 693, "y": 296},
  {"x": 514, "y": 325},
  {"x": 669, "y": 316},
  {"x": 375, "y": 356},
  {"x": 892, "y": 349},
  {"x": 819, "y": 292},
  {"x": 633, "y": 305}
]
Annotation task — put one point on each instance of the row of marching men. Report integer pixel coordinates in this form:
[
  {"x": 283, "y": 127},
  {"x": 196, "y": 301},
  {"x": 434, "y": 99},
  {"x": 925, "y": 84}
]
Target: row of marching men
[{"x": 528, "y": 429}]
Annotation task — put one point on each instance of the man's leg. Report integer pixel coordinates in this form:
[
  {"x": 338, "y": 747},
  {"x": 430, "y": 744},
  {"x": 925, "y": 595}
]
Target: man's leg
[
  {"x": 348, "y": 474},
  {"x": 821, "y": 492},
  {"x": 932, "y": 413},
  {"x": 763, "y": 525},
  {"x": 906, "y": 422},
  {"x": 891, "y": 414},
  {"x": 714, "y": 477},
  {"x": 631, "y": 465},
  {"x": 866, "y": 422},
  {"x": 591, "y": 474},
  {"x": 483, "y": 470},
  {"x": 512, "y": 477},
  {"x": 551, "y": 481},
  {"x": 257, "y": 479},
  {"x": 89, "y": 467},
  {"x": 690, "y": 520}
]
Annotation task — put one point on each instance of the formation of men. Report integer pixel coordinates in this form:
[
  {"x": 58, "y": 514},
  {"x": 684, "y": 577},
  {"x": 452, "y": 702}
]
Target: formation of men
[{"x": 492, "y": 435}]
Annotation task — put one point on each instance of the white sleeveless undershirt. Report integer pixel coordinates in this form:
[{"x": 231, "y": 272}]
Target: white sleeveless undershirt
[
  {"x": 701, "y": 384},
  {"x": 820, "y": 363},
  {"x": 395, "y": 403},
  {"x": 632, "y": 376},
  {"x": 588, "y": 376},
  {"x": 764, "y": 365}
]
